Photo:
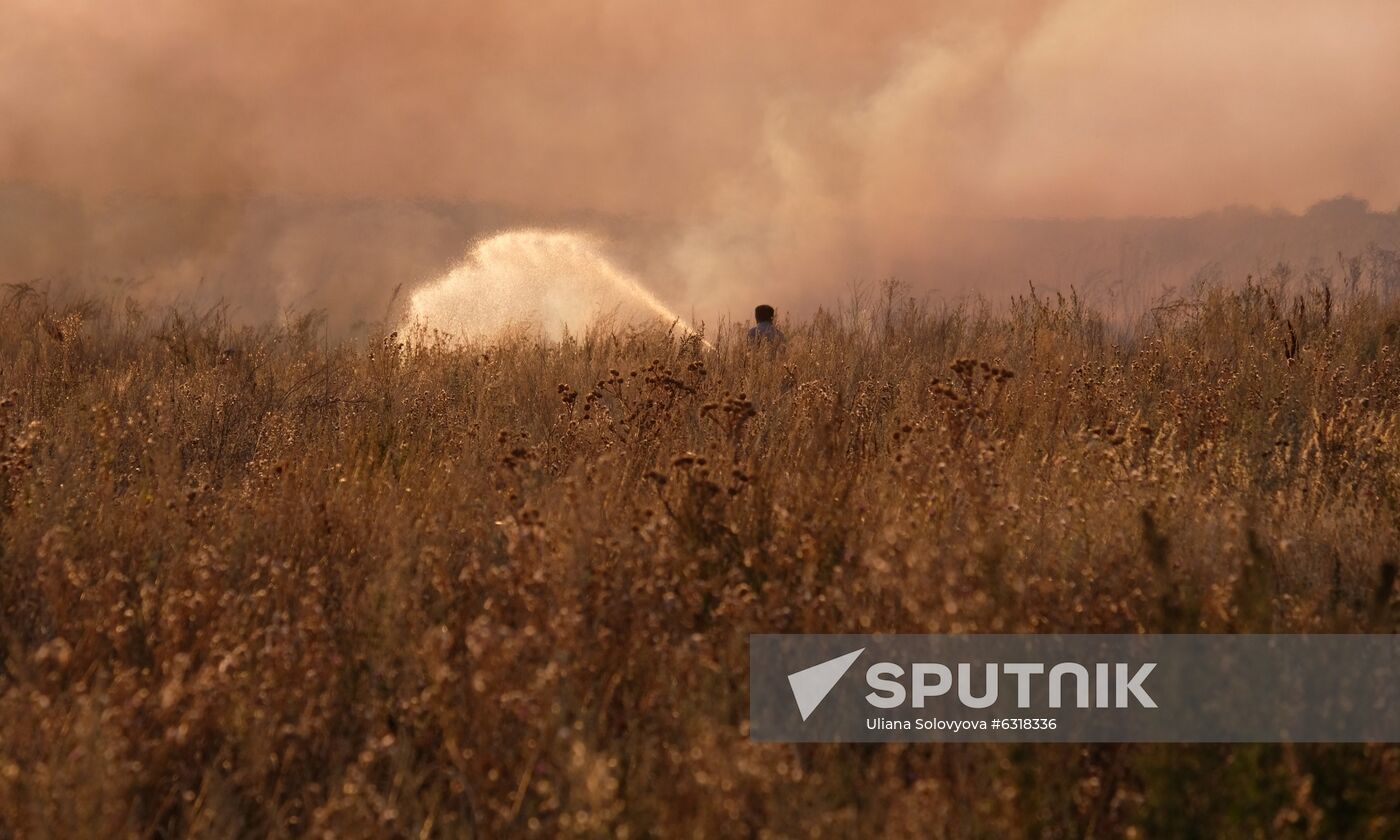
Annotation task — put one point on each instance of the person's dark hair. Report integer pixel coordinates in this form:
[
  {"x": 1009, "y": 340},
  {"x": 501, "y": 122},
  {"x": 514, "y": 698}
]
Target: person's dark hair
[{"x": 763, "y": 312}]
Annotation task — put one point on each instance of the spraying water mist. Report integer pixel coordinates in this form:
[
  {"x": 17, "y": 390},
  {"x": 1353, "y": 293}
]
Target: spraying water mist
[{"x": 548, "y": 282}]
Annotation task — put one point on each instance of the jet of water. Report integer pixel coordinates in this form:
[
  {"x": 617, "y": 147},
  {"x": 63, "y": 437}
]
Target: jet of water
[{"x": 548, "y": 282}]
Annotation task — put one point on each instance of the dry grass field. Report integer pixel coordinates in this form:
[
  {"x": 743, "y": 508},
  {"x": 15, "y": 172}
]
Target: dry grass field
[{"x": 260, "y": 582}]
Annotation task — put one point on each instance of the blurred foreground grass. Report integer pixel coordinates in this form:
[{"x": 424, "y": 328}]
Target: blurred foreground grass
[{"x": 258, "y": 583}]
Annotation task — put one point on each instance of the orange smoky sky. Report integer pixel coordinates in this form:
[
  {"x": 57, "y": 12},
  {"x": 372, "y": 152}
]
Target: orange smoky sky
[{"x": 819, "y": 133}]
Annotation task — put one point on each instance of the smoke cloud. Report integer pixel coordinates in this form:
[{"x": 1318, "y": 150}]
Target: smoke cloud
[{"x": 731, "y": 148}]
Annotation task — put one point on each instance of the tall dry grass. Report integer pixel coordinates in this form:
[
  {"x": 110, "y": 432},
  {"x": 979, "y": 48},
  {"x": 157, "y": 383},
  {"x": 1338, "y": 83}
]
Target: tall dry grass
[{"x": 259, "y": 583}]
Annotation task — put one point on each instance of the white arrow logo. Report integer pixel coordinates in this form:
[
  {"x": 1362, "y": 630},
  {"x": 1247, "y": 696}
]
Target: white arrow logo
[{"x": 811, "y": 685}]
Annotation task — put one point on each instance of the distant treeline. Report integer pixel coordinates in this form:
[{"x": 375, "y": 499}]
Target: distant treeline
[{"x": 266, "y": 256}]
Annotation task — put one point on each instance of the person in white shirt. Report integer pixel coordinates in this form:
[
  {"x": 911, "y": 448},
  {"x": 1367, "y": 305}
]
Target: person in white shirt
[{"x": 765, "y": 332}]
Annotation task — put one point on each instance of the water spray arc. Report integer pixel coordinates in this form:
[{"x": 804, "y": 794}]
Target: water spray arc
[{"x": 548, "y": 282}]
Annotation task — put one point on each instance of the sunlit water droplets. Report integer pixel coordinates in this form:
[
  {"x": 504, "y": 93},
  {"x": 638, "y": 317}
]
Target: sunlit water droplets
[{"x": 535, "y": 280}]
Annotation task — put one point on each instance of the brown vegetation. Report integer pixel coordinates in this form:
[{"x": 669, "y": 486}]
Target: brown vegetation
[{"x": 258, "y": 583}]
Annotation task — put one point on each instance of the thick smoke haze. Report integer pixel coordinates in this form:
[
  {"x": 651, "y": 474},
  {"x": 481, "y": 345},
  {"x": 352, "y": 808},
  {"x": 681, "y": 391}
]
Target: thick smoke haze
[{"x": 311, "y": 152}]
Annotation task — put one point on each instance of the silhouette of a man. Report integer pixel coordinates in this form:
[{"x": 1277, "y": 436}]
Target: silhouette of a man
[{"x": 765, "y": 332}]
